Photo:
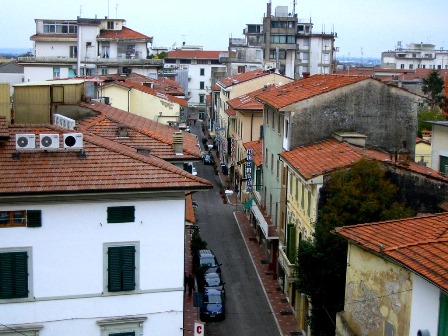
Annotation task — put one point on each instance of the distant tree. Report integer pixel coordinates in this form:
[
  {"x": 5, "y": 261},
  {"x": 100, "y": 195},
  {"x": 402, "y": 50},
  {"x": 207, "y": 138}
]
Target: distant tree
[
  {"x": 433, "y": 86},
  {"x": 428, "y": 114},
  {"x": 361, "y": 194}
]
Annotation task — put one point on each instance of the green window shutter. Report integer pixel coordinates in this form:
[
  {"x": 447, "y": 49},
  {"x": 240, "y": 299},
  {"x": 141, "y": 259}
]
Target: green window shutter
[
  {"x": 291, "y": 243},
  {"x": 33, "y": 218},
  {"x": 121, "y": 268},
  {"x": 121, "y": 214},
  {"x": 130, "y": 333},
  {"x": 13, "y": 275},
  {"x": 443, "y": 315}
]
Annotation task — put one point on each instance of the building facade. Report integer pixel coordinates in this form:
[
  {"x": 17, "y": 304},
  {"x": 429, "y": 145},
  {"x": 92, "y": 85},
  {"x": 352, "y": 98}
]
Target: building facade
[{"x": 87, "y": 47}]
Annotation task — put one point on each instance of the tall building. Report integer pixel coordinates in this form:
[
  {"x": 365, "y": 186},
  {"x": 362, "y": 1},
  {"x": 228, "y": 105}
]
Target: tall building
[
  {"x": 284, "y": 42},
  {"x": 86, "y": 47}
]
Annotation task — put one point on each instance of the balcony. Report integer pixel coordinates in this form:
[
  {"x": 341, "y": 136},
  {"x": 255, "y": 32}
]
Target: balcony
[
  {"x": 90, "y": 60},
  {"x": 286, "y": 264}
]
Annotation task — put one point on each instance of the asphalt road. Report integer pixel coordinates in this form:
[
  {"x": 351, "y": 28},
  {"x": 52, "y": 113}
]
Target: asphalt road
[{"x": 247, "y": 310}]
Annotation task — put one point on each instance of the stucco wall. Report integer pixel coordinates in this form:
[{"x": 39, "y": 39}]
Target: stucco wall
[
  {"x": 385, "y": 114},
  {"x": 377, "y": 292}
]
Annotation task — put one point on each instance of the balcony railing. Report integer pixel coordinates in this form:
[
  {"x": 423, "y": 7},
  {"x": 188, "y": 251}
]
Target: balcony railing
[{"x": 90, "y": 60}]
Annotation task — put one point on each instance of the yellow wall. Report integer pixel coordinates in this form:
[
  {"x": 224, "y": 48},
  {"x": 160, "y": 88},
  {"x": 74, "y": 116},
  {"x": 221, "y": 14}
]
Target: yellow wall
[
  {"x": 377, "y": 292},
  {"x": 423, "y": 149},
  {"x": 5, "y": 102},
  {"x": 142, "y": 104}
]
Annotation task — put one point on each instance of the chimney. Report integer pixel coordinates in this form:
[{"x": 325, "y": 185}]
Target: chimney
[
  {"x": 178, "y": 143},
  {"x": 122, "y": 131},
  {"x": 404, "y": 154},
  {"x": 305, "y": 74}
]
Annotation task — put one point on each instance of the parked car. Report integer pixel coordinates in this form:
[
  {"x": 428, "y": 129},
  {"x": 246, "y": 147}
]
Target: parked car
[
  {"x": 213, "y": 306},
  {"x": 211, "y": 281},
  {"x": 204, "y": 261},
  {"x": 208, "y": 159}
]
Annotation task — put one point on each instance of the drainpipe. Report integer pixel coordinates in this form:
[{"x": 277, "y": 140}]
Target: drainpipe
[
  {"x": 251, "y": 126},
  {"x": 129, "y": 94}
]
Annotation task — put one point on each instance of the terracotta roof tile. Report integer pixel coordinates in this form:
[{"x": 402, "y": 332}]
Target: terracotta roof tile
[
  {"x": 230, "y": 112},
  {"x": 142, "y": 132},
  {"x": 189, "y": 210},
  {"x": 196, "y": 54},
  {"x": 248, "y": 101},
  {"x": 419, "y": 243},
  {"x": 124, "y": 33},
  {"x": 53, "y": 36},
  {"x": 306, "y": 88},
  {"x": 243, "y": 77},
  {"x": 107, "y": 166},
  {"x": 257, "y": 151},
  {"x": 328, "y": 155}
]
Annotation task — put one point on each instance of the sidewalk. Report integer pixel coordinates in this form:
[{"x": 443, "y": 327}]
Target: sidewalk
[{"x": 277, "y": 300}]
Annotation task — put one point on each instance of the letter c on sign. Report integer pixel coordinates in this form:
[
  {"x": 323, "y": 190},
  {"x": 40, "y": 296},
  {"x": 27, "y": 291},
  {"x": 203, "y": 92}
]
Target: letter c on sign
[{"x": 199, "y": 330}]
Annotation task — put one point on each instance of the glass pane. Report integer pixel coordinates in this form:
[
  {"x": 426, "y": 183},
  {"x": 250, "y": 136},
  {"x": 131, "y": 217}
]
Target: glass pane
[
  {"x": 4, "y": 218},
  {"x": 19, "y": 217}
]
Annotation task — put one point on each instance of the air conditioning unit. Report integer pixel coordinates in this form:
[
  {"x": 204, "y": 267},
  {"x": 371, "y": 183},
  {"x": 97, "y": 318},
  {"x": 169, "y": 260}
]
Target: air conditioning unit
[
  {"x": 25, "y": 141},
  {"x": 49, "y": 141},
  {"x": 73, "y": 140}
]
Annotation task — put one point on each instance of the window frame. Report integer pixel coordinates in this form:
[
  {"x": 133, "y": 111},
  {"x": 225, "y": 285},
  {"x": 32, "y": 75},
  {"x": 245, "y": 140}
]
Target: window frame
[
  {"x": 106, "y": 246},
  {"x": 30, "y": 218},
  {"x": 29, "y": 273},
  {"x": 122, "y": 325}
]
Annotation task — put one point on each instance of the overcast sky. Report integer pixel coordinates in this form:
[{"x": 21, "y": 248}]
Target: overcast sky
[{"x": 364, "y": 28}]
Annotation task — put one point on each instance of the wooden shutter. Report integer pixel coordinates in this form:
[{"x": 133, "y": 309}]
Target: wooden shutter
[
  {"x": 443, "y": 315},
  {"x": 129, "y": 333},
  {"x": 33, "y": 218},
  {"x": 121, "y": 214},
  {"x": 121, "y": 268},
  {"x": 13, "y": 275},
  {"x": 291, "y": 243}
]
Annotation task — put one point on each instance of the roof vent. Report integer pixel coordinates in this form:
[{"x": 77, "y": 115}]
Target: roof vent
[
  {"x": 122, "y": 131},
  {"x": 146, "y": 151},
  {"x": 178, "y": 143}
]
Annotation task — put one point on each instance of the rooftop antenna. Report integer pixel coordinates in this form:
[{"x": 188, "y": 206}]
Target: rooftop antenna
[
  {"x": 294, "y": 8},
  {"x": 80, "y": 10},
  {"x": 116, "y": 10}
]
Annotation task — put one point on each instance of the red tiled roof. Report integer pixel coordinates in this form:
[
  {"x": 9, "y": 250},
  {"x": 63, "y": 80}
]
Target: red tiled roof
[
  {"x": 195, "y": 54},
  {"x": 142, "y": 132},
  {"x": 125, "y": 33},
  {"x": 419, "y": 243},
  {"x": 328, "y": 155},
  {"x": 215, "y": 87},
  {"x": 189, "y": 210},
  {"x": 306, "y": 88},
  {"x": 243, "y": 77},
  {"x": 153, "y": 92},
  {"x": 230, "y": 112},
  {"x": 162, "y": 84},
  {"x": 248, "y": 101},
  {"x": 257, "y": 151},
  {"x": 107, "y": 166}
]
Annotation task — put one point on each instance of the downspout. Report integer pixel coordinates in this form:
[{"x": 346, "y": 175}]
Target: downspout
[
  {"x": 129, "y": 94},
  {"x": 251, "y": 126}
]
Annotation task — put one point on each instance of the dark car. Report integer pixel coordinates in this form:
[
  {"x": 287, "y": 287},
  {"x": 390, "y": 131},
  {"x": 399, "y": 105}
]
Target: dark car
[
  {"x": 208, "y": 159},
  {"x": 211, "y": 281},
  {"x": 204, "y": 261},
  {"x": 213, "y": 306}
]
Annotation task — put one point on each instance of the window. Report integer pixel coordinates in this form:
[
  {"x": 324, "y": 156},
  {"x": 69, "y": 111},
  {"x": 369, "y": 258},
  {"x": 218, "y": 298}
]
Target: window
[
  {"x": 309, "y": 204},
  {"x": 266, "y": 157},
  {"x": 121, "y": 214},
  {"x": 14, "y": 275},
  {"x": 56, "y": 72},
  {"x": 283, "y": 39},
  {"x": 60, "y": 28},
  {"x": 121, "y": 267},
  {"x": 286, "y": 129},
  {"x": 272, "y": 163},
  {"x": 443, "y": 315},
  {"x": 17, "y": 218},
  {"x": 185, "y": 61},
  {"x": 110, "y": 25},
  {"x": 104, "y": 71},
  {"x": 105, "y": 51},
  {"x": 273, "y": 54},
  {"x": 202, "y": 72},
  {"x": 202, "y": 99},
  {"x": 402, "y": 66},
  {"x": 411, "y": 66},
  {"x": 201, "y": 85},
  {"x": 122, "y": 326},
  {"x": 241, "y": 69},
  {"x": 73, "y": 51},
  {"x": 202, "y": 61}
]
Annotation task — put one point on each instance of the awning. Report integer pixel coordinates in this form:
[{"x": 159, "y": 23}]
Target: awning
[{"x": 263, "y": 224}]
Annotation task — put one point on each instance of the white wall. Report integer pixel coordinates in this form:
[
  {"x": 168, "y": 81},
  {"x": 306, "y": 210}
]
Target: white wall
[
  {"x": 425, "y": 306},
  {"x": 54, "y": 49},
  {"x": 439, "y": 145},
  {"x": 68, "y": 273}
]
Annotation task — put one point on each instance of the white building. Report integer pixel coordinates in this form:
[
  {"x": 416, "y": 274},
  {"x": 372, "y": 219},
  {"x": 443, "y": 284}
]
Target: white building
[
  {"x": 415, "y": 56},
  {"x": 88, "y": 246},
  {"x": 196, "y": 70},
  {"x": 85, "y": 47}
]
